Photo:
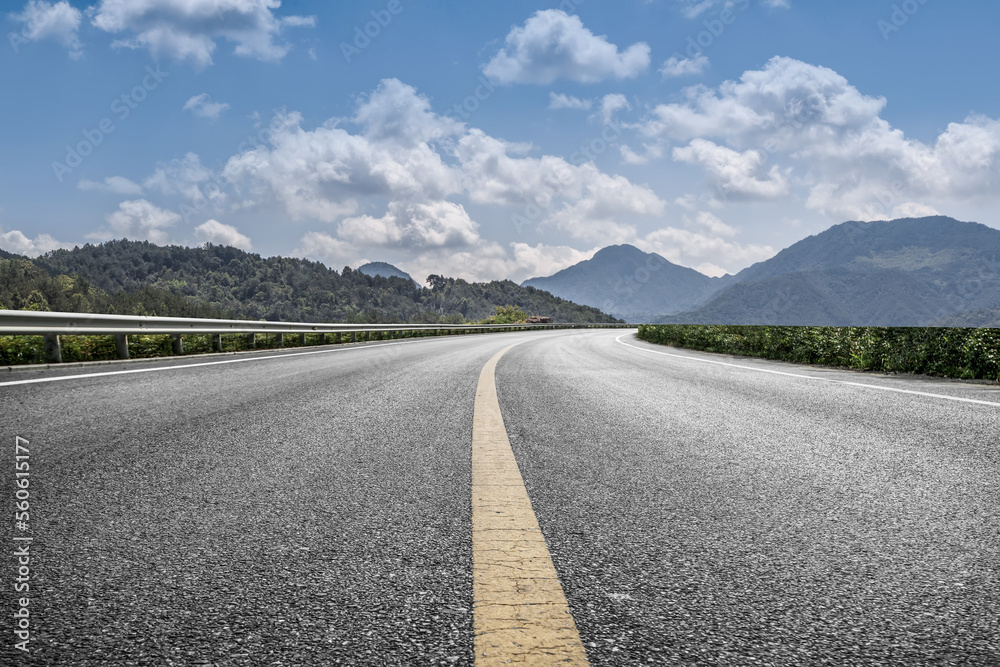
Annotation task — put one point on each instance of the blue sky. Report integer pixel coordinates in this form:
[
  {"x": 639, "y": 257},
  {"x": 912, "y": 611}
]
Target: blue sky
[{"x": 492, "y": 140}]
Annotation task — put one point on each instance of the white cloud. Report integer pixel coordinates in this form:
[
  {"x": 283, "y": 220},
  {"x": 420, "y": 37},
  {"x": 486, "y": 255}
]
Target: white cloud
[
  {"x": 138, "y": 220},
  {"x": 332, "y": 251},
  {"x": 580, "y": 199},
  {"x": 544, "y": 260},
  {"x": 16, "y": 242},
  {"x": 704, "y": 249},
  {"x": 321, "y": 173},
  {"x": 214, "y": 231},
  {"x": 43, "y": 20},
  {"x": 822, "y": 135},
  {"x": 553, "y": 45},
  {"x": 188, "y": 178},
  {"x": 651, "y": 151},
  {"x": 913, "y": 210},
  {"x": 612, "y": 104},
  {"x": 676, "y": 66},
  {"x": 201, "y": 105},
  {"x": 116, "y": 184},
  {"x": 187, "y": 30},
  {"x": 560, "y": 101},
  {"x": 733, "y": 174},
  {"x": 434, "y": 224},
  {"x": 692, "y": 9},
  {"x": 491, "y": 261}
]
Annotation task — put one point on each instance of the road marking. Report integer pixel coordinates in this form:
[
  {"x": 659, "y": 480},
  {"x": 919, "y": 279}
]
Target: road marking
[
  {"x": 62, "y": 378},
  {"x": 811, "y": 377},
  {"x": 520, "y": 611}
]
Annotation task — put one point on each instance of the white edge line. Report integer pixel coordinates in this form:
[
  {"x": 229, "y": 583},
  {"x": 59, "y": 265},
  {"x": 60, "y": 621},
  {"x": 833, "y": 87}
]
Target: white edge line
[
  {"x": 810, "y": 377},
  {"x": 62, "y": 378}
]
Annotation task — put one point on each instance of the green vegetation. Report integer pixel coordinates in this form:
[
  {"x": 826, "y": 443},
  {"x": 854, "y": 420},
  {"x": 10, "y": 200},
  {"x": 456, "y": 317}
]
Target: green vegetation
[
  {"x": 506, "y": 315},
  {"x": 947, "y": 352},
  {"x": 26, "y": 286}
]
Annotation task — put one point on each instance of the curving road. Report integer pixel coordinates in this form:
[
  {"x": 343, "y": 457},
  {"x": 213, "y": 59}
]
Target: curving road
[{"x": 297, "y": 509}]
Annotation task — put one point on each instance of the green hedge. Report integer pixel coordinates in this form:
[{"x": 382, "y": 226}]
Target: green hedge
[
  {"x": 955, "y": 353},
  {"x": 17, "y": 350}
]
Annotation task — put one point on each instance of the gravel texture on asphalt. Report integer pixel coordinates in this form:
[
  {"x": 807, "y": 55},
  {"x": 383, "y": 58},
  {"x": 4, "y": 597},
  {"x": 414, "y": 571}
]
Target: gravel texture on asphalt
[
  {"x": 700, "y": 514},
  {"x": 313, "y": 510}
]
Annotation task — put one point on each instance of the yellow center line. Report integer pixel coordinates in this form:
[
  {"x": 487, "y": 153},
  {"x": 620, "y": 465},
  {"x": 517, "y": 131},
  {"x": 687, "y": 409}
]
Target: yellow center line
[{"x": 520, "y": 612}]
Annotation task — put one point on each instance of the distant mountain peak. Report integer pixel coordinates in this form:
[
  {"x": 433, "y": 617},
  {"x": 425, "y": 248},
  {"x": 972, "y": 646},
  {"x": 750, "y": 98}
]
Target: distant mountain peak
[
  {"x": 629, "y": 283},
  {"x": 383, "y": 269}
]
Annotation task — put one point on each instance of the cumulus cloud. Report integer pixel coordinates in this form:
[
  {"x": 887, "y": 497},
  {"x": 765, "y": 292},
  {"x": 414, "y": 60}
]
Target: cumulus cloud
[
  {"x": 16, "y": 242},
  {"x": 321, "y": 173},
  {"x": 491, "y": 261},
  {"x": 560, "y": 101},
  {"x": 811, "y": 123},
  {"x": 188, "y": 178},
  {"x": 580, "y": 199},
  {"x": 676, "y": 66},
  {"x": 706, "y": 245},
  {"x": 735, "y": 174},
  {"x": 434, "y": 224},
  {"x": 326, "y": 248},
  {"x": 554, "y": 45},
  {"x": 138, "y": 220},
  {"x": 214, "y": 231},
  {"x": 59, "y": 21},
  {"x": 119, "y": 185},
  {"x": 203, "y": 106},
  {"x": 187, "y": 30},
  {"x": 612, "y": 104}
]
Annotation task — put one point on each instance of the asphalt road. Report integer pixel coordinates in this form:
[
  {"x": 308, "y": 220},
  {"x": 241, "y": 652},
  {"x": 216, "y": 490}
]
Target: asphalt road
[{"x": 294, "y": 509}]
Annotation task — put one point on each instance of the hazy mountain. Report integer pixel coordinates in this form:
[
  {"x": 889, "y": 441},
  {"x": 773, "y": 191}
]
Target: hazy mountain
[
  {"x": 909, "y": 272},
  {"x": 988, "y": 317},
  {"x": 630, "y": 284},
  {"x": 383, "y": 269}
]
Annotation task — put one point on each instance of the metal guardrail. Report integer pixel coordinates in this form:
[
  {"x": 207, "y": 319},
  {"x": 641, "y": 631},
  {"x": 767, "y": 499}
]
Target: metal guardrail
[{"x": 53, "y": 325}]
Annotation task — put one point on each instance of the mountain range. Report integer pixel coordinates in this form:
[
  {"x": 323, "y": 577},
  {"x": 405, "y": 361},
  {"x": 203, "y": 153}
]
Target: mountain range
[
  {"x": 907, "y": 272},
  {"x": 141, "y": 278}
]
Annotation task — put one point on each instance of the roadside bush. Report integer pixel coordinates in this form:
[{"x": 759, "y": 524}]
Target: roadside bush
[{"x": 946, "y": 352}]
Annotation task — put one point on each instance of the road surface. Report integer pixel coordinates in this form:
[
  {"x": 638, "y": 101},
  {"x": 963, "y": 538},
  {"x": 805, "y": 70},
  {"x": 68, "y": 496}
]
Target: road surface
[{"x": 298, "y": 509}]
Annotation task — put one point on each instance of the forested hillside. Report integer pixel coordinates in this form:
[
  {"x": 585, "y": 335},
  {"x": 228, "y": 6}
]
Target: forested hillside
[
  {"x": 226, "y": 280},
  {"x": 25, "y": 286}
]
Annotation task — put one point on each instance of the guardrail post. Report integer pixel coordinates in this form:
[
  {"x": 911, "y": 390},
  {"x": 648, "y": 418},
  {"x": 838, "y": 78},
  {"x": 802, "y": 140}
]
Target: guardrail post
[
  {"x": 53, "y": 349},
  {"x": 178, "y": 344},
  {"x": 217, "y": 342},
  {"x": 251, "y": 341},
  {"x": 354, "y": 336},
  {"x": 279, "y": 340},
  {"x": 302, "y": 340},
  {"x": 121, "y": 345}
]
